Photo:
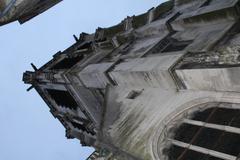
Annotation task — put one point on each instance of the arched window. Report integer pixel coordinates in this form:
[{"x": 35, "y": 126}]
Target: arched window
[{"x": 212, "y": 132}]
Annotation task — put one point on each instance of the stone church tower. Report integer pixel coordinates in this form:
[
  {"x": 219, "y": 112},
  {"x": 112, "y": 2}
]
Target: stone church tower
[
  {"x": 164, "y": 85},
  {"x": 23, "y": 10}
]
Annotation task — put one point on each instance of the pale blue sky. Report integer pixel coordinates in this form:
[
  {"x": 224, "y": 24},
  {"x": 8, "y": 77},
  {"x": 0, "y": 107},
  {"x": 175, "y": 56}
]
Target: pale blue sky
[{"x": 28, "y": 131}]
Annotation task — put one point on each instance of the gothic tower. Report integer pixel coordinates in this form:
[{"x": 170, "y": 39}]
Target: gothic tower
[{"x": 163, "y": 85}]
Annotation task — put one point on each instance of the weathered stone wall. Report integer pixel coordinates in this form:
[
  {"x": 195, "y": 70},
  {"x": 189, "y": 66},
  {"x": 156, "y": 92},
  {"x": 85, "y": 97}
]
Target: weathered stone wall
[
  {"x": 22, "y": 10},
  {"x": 3, "y": 4}
]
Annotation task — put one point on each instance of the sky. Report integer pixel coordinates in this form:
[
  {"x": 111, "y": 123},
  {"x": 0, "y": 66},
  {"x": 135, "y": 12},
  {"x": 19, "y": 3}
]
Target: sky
[{"x": 28, "y": 130}]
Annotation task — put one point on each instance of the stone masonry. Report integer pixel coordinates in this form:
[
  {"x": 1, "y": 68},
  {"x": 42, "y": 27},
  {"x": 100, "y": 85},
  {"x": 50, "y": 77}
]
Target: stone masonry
[
  {"x": 163, "y": 85},
  {"x": 23, "y": 10}
]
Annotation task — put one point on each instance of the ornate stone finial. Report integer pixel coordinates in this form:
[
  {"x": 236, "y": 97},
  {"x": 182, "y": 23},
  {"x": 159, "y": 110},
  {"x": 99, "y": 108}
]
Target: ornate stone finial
[{"x": 29, "y": 77}]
